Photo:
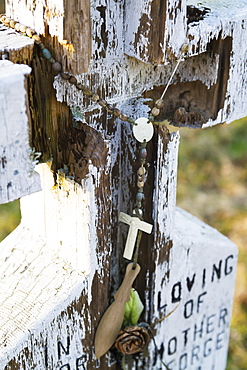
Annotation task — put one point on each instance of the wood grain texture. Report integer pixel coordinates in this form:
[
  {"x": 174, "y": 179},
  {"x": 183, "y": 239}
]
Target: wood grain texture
[{"x": 78, "y": 33}]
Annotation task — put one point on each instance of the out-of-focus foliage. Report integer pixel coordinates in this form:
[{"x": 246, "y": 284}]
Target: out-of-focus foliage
[
  {"x": 9, "y": 218},
  {"x": 212, "y": 185},
  {"x": 2, "y": 6}
]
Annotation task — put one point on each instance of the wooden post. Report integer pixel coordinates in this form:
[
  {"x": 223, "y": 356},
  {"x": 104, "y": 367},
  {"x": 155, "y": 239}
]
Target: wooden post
[
  {"x": 64, "y": 262},
  {"x": 17, "y": 175}
]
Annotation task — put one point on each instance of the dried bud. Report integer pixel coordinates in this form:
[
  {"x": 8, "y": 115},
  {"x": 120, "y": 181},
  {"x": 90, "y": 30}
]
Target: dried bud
[{"x": 132, "y": 339}]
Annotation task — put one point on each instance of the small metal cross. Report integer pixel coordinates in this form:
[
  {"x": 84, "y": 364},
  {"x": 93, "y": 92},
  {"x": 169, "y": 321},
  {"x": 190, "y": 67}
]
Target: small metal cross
[{"x": 135, "y": 224}]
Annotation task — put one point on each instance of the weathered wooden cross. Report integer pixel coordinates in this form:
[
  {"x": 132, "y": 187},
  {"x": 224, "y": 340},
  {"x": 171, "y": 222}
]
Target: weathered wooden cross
[{"x": 60, "y": 266}]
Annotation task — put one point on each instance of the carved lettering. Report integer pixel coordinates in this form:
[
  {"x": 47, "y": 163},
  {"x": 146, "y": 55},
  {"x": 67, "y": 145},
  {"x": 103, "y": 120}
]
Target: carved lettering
[
  {"x": 60, "y": 347},
  {"x": 204, "y": 278},
  {"x": 188, "y": 309},
  {"x": 172, "y": 346},
  {"x": 200, "y": 301},
  {"x": 198, "y": 329},
  {"x": 219, "y": 269},
  {"x": 228, "y": 269},
  {"x": 176, "y": 292},
  {"x": 80, "y": 361},
  {"x": 206, "y": 348},
  {"x": 216, "y": 271},
  {"x": 195, "y": 354},
  {"x": 185, "y": 332},
  {"x": 159, "y": 302},
  {"x": 222, "y": 317},
  {"x": 209, "y": 324},
  {"x": 46, "y": 356},
  {"x": 183, "y": 360},
  {"x": 203, "y": 335},
  {"x": 191, "y": 282},
  {"x": 219, "y": 341}
]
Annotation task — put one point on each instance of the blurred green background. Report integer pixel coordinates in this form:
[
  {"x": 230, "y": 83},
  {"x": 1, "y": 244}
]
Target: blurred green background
[{"x": 212, "y": 183}]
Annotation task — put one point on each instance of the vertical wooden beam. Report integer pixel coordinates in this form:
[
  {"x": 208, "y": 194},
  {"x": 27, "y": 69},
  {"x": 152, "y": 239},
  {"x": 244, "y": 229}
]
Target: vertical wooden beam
[{"x": 17, "y": 158}]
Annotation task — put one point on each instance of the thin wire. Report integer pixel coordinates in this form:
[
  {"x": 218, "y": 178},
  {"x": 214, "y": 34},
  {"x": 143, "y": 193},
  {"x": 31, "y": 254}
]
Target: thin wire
[{"x": 171, "y": 77}]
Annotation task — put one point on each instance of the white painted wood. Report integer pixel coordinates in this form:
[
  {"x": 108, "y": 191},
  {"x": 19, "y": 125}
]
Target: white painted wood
[
  {"x": 164, "y": 198},
  {"x": 129, "y": 77},
  {"x": 197, "y": 272},
  {"x": 225, "y": 18},
  {"x": 175, "y": 29},
  {"x": 200, "y": 276},
  {"x": 17, "y": 175},
  {"x": 46, "y": 263},
  {"x": 10, "y": 41},
  {"x": 33, "y": 15}
]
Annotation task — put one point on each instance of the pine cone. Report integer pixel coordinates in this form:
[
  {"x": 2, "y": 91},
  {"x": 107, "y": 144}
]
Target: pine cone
[{"x": 132, "y": 339}]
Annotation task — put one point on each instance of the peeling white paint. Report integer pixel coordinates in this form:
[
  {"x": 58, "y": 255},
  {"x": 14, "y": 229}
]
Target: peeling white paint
[
  {"x": 34, "y": 13},
  {"x": 9, "y": 41},
  {"x": 46, "y": 263},
  {"x": 118, "y": 77},
  {"x": 17, "y": 175},
  {"x": 164, "y": 198},
  {"x": 200, "y": 278},
  {"x": 175, "y": 35}
]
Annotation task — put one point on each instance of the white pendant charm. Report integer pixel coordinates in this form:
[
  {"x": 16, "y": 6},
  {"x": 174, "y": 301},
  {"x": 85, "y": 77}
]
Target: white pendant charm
[
  {"x": 135, "y": 224},
  {"x": 144, "y": 130}
]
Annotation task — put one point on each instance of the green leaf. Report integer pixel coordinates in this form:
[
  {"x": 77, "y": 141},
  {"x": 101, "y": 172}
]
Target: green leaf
[{"x": 132, "y": 309}]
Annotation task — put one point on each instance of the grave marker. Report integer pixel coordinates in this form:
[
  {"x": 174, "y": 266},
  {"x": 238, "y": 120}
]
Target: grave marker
[{"x": 61, "y": 266}]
